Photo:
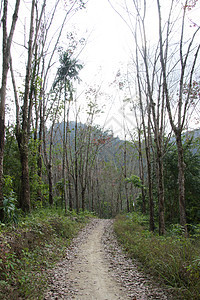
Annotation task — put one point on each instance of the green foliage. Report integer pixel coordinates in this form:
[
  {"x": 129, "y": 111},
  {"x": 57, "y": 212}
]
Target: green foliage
[
  {"x": 11, "y": 212},
  {"x": 12, "y": 173},
  {"x": 135, "y": 180},
  {"x": 192, "y": 181},
  {"x": 12, "y": 166},
  {"x": 36, "y": 184},
  {"x": 68, "y": 70},
  {"x": 30, "y": 249},
  {"x": 172, "y": 259}
]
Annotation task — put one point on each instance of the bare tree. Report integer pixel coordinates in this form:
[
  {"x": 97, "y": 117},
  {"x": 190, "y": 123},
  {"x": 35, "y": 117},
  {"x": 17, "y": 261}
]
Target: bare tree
[{"x": 188, "y": 54}]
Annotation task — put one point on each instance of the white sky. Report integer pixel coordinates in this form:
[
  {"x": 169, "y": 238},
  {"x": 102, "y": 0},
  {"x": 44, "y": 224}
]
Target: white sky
[
  {"x": 108, "y": 49},
  {"x": 107, "y": 44}
]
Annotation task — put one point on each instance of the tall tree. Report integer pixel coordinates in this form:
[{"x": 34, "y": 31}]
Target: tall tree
[
  {"x": 23, "y": 120},
  {"x": 6, "y": 47},
  {"x": 68, "y": 71},
  {"x": 37, "y": 59},
  {"x": 188, "y": 54}
]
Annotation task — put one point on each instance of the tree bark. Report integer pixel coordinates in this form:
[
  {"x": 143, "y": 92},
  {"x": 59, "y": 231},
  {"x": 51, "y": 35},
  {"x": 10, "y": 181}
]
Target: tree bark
[
  {"x": 25, "y": 193},
  {"x": 64, "y": 196},
  {"x": 181, "y": 182},
  {"x": 161, "y": 193},
  {"x": 76, "y": 169},
  {"x": 23, "y": 137},
  {"x": 141, "y": 170},
  {"x": 125, "y": 176},
  {"x": 149, "y": 171},
  {"x": 50, "y": 181}
]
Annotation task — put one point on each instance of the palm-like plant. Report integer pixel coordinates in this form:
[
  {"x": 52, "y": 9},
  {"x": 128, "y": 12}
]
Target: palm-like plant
[{"x": 69, "y": 69}]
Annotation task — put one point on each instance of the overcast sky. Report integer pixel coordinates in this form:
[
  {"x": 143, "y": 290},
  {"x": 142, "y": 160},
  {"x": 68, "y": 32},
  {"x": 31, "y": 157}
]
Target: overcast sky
[
  {"x": 107, "y": 45},
  {"x": 108, "y": 49}
]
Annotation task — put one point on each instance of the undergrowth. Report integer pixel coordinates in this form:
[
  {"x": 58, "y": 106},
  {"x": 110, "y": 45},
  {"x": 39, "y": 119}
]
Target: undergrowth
[
  {"x": 33, "y": 246},
  {"x": 172, "y": 259}
]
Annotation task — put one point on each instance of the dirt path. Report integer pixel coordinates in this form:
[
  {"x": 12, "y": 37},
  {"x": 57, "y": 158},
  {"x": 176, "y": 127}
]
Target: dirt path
[
  {"x": 96, "y": 269},
  {"x": 90, "y": 275}
]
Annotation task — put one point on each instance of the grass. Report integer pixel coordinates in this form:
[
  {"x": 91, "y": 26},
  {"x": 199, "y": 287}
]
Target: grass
[
  {"x": 172, "y": 259},
  {"x": 28, "y": 250}
]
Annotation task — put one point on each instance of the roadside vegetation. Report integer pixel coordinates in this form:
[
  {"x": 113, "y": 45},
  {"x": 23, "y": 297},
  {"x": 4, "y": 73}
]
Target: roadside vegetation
[
  {"x": 172, "y": 259},
  {"x": 32, "y": 247}
]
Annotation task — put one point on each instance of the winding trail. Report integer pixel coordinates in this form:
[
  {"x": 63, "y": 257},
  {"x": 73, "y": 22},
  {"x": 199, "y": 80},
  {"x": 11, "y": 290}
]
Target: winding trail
[{"x": 95, "y": 268}]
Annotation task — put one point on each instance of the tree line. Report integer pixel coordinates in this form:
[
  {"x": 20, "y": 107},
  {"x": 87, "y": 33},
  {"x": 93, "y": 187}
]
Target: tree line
[{"x": 155, "y": 169}]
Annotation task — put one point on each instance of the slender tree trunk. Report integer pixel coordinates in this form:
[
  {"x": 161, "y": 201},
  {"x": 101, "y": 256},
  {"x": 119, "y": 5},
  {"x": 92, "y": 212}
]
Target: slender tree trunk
[
  {"x": 83, "y": 198},
  {"x": 125, "y": 176},
  {"x": 49, "y": 168},
  {"x": 181, "y": 182},
  {"x": 67, "y": 142},
  {"x": 64, "y": 152},
  {"x": 98, "y": 194},
  {"x": 160, "y": 194},
  {"x": 149, "y": 171},
  {"x": 76, "y": 170},
  {"x": 92, "y": 196},
  {"x": 39, "y": 160},
  {"x": 70, "y": 194},
  {"x": 25, "y": 193},
  {"x": 141, "y": 169},
  {"x": 119, "y": 195},
  {"x": 22, "y": 135},
  {"x": 50, "y": 180}
]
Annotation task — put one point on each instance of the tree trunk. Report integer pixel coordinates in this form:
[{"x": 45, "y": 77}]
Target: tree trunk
[
  {"x": 25, "y": 193},
  {"x": 50, "y": 180},
  {"x": 64, "y": 152},
  {"x": 125, "y": 176},
  {"x": 39, "y": 160},
  {"x": 160, "y": 194},
  {"x": 148, "y": 155},
  {"x": 70, "y": 195},
  {"x": 2, "y": 134},
  {"x": 92, "y": 196},
  {"x": 23, "y": 137},
  {"x": 181, "y": 182},
  {"x": 141, "y": 169},
  {"x": 83, "y": 198},
  {"x": 76, "y": 170}
]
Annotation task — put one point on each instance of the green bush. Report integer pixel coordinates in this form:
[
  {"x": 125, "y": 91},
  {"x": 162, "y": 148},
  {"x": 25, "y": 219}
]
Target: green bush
[{"x": 11, "y": 212}]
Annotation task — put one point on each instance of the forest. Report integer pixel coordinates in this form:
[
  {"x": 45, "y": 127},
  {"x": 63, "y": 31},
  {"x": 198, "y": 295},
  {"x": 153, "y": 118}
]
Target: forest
[{"x": 53, "y": 162}]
